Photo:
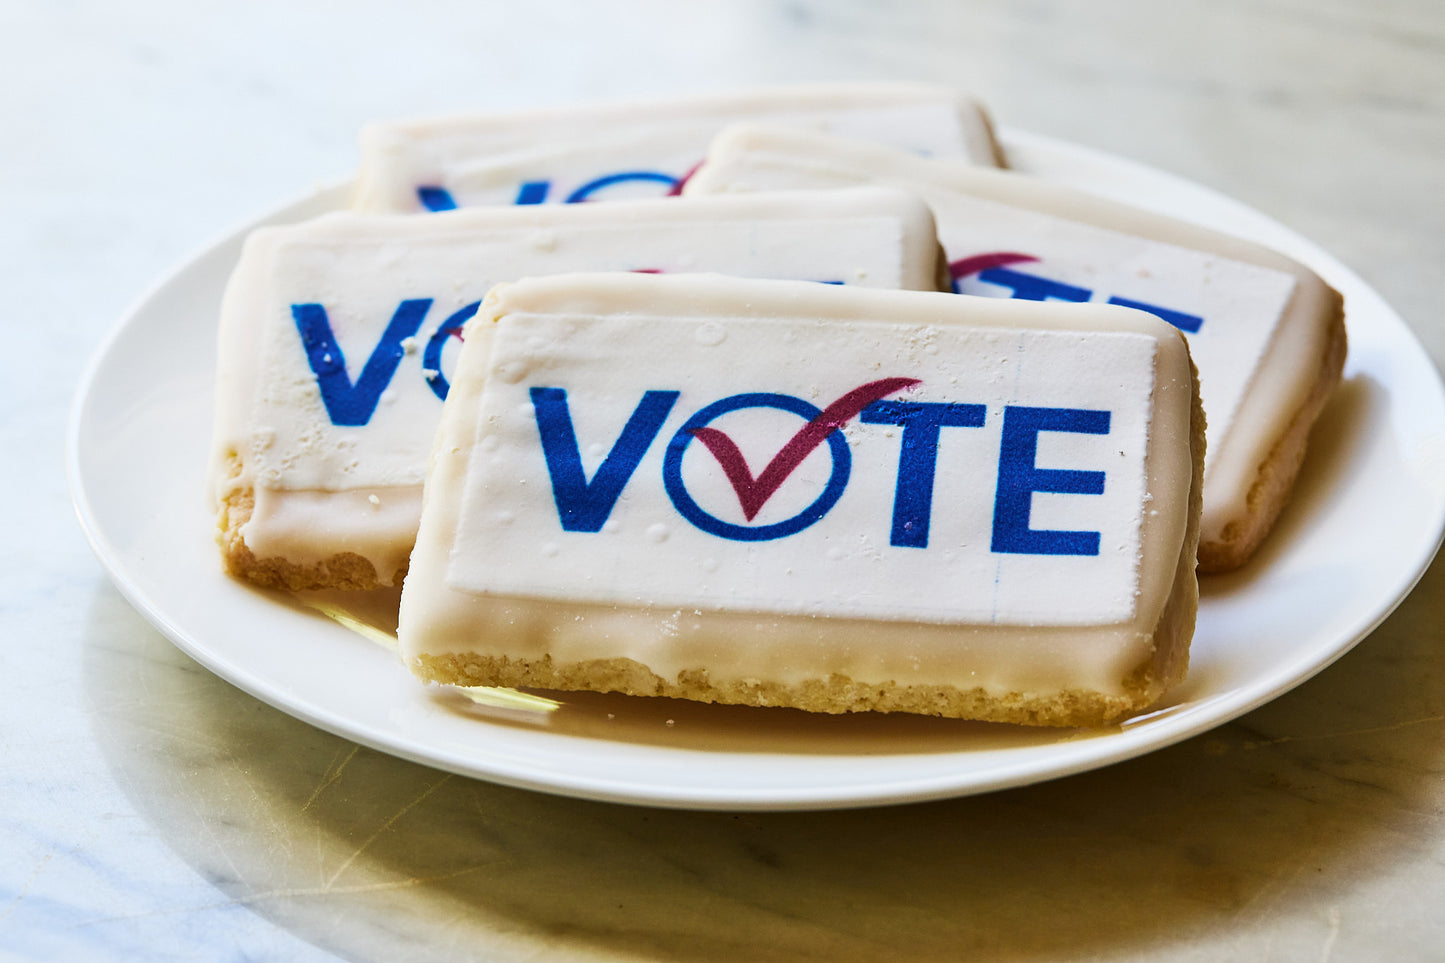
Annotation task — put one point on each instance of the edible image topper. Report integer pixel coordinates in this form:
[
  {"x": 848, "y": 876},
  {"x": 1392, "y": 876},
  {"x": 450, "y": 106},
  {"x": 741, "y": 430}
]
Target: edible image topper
[{"x": 637, "y": 462}]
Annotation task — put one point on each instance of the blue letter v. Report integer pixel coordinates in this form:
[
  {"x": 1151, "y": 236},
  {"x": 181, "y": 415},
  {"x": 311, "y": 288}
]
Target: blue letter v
[
  {"x": 347, "y": 403},
  {"x": 583, "y": 506}
]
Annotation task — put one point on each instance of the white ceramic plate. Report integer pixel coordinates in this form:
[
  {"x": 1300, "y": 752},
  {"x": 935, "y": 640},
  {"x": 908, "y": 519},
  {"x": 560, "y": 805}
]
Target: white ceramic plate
[{"x": 1366, "y": 520}]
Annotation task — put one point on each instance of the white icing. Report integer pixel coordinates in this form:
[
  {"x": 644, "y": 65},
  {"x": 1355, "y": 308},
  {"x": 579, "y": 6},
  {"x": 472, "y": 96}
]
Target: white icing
[
  {"x": 271, "y": 410},
  {"x": 487, "y": 159}
]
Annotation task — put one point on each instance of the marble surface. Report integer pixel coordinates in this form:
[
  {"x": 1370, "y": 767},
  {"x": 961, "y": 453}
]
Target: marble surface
[{"x": 148, "y": 810}]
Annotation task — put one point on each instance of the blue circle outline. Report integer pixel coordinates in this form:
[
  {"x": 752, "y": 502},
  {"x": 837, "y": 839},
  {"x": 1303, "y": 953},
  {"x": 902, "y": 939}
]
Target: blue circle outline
[
  {"x": 690, "y": 510},
  {"x": 431, "y": 358},
  {"x": 586, "y": 191}
]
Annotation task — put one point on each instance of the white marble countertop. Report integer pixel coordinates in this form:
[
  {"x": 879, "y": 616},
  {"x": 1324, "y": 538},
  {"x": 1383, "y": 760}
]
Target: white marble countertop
[{"x": 148, "y": 810}]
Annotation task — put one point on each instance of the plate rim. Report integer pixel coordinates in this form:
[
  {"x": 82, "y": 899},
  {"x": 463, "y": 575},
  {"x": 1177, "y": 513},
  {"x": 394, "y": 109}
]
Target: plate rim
[{"x": 1137, "y": 737}]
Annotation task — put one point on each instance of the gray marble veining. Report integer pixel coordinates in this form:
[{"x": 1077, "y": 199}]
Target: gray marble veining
[{"x": 148, "y": 810}]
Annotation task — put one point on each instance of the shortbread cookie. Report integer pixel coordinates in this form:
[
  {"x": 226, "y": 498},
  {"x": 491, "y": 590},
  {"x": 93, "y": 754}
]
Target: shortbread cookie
[
  {"x": 337, "y": 339},
  {"x": 839, "y": 500},
  {"x": 629, "y": 150},
  {"x": 1267, "y": 333}
]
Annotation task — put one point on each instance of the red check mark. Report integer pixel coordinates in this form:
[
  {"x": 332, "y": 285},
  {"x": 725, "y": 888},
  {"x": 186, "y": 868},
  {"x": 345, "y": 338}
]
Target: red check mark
[
  {"x": 676, "y": 189},
  {"x": 752, "y": 492},
  {"x": 964, "y": 267}
]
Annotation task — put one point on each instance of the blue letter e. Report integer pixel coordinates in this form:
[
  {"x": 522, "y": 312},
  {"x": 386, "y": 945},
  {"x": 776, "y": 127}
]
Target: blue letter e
[
  {"x": 1018, "y": 479},
  {"x": 583, "y": 506}
]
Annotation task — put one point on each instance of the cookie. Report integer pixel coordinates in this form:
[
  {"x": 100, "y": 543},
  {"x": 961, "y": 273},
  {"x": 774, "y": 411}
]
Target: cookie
[
  {"x": 645, "y": 149},
  {"x": 834, "y": 499},
  {"x": 338, "y": 335}
]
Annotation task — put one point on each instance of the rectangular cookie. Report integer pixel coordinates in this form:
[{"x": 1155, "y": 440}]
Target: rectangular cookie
[
  {"x": 338, "y": 335},
  {"x": 1266, "y": 332},
  {"x": 646, "y": 149},
  {"x": 839, "y": 500}
]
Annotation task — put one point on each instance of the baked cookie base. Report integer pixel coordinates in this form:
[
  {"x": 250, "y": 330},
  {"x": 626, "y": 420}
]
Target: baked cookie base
[
  {"x": 835, "y": 694},
  {"x": 343, "y": 570}
]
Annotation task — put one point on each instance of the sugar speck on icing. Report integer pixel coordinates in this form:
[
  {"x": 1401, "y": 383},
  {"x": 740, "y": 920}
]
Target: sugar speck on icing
[{"x": 711, "y": 334}]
